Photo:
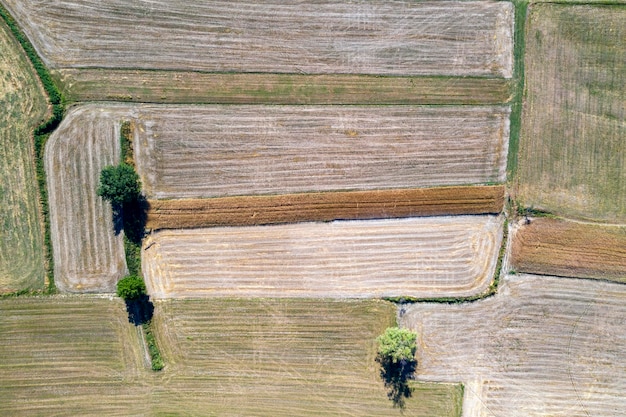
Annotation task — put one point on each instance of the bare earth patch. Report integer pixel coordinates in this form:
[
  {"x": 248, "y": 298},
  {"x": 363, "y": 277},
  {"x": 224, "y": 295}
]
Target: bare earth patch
[
  {"x": 88, "y": 254},
  {"x": 542, "y": 346},
  {"x": 420, "y": 257},
  {"x": 320, "y": 36},
  {"x": 569, "y": 249},
  {"x": 352, "y": 205}
]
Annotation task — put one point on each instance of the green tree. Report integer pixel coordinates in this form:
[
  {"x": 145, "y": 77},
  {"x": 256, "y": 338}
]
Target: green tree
[
  {"x": 119, "y": 184},
  {"x": 396, "y": 356},
  {"x": 131, "y": 287}
]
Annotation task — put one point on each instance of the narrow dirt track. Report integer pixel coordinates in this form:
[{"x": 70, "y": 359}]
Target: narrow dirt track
[
  {"x": 419, "y": 257},
  {"x": 542, "y": 346},
  {"x": 354, "y": 205},
  {"x": 570, "y": 249}
]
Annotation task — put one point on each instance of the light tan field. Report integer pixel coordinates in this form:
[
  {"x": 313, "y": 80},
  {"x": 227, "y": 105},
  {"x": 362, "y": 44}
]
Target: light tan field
[
  {"x": 213, "y": 151},
  {"x": 572, "y": 147},
  {"x": 67, "y": 356},
  {"x": 351, "y": 205},
  {"x": 321, "y": 36},
  {"x": 88, "y": 255},
  {"x": 153, "y": 86},
  {"x": 565, "y": 248},
  {"x": 22, "y": 106},
  {"x": 419, "y": 257},
  {"x": 542, "y": 346},
  {"x": 239, "y": 357}
]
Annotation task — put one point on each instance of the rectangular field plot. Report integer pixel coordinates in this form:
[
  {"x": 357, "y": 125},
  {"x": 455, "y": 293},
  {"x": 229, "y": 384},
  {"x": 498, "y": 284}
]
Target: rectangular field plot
[
  {"x": 88, "y": 253},
  {"x": 283, "y": 357},
  {"x": 555, "y": 247},
  {"x": 68, "y": 356},
  {"x": 22, "y": 106},
  {"x": 420, "y": 257},
  {"x": 572, "y": 146},
  {"x": 212, "y": 151},
  {"x": 542, "y": 346},
  {"x": 322, "y": 36}
]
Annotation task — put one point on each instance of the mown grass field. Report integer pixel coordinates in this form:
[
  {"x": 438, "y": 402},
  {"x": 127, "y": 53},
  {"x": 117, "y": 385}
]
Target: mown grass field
[
  {"x": 572, "y": 148},
  {"x": 22, "y": 107},
  {"x": 266, "y": 357}
]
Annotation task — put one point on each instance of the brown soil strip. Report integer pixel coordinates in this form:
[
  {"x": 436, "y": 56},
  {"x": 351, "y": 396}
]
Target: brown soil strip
[
  {"x": 291, "y": 208},
  {"x": 196, "y": 87},
  {"x": 557, "y": 247}
]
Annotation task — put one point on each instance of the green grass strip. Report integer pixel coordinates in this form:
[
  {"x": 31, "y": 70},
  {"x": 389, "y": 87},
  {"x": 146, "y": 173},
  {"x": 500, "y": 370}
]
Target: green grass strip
[{"x": 41, "y": 134}]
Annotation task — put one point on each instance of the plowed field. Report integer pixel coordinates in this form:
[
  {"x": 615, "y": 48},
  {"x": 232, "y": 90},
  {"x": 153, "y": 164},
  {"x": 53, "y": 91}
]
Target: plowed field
[
  {"x": 88, "y": 254},
  {"x": 320, "y": 36},
  {"x": 22, "y": 106},
  {"x": 543, "y": 346},
  {"x": 282, "y": 358},
  {"x": 354, "y": 205},
  {"x": 556, "y": 247},
  {"x": 209, "y": 151},
  {"x": 153, "y": 86},
  {"x": 421, "y": 257},
  {"x": 572, "y": 148}
]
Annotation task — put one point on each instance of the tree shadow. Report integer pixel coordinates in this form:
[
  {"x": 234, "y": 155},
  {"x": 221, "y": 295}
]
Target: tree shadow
[
  {"x": 131, "y": 217},
  {"x": 140, "y": 310},
  {"x": 396, "y": 377}
]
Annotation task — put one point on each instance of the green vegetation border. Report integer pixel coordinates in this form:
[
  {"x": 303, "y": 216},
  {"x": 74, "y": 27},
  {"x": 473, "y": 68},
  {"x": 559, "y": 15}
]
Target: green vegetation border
[{"x": 41, "y": 135}]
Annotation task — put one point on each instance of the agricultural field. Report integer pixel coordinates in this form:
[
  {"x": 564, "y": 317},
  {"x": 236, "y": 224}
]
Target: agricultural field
[
  {"x": 88, "y": 251},
  {"x": 154, "y": 86},
  {"x": 68, "y": 356},
  {"x": 419, "y": 257},
  {"x": 22, "y": 107},
  {"x": 570, "y": 249},
  {"x": 215, "y": 151},
  {"x": 572, "y": 148},
  {"x": 542, "y": 346},
  {"x": 282, "y": 358},
  {"x": 389, "y": 37},
  {"x": 307, "y": 207}
]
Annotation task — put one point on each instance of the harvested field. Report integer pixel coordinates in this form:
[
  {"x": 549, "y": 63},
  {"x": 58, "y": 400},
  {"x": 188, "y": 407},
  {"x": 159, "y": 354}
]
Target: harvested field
[
  {"x": 215, "y": 151},
  {"x": 22, "y": 107},
  {"x": 88, "y": 254},
  {"x": 543, "y": 346},
  {"x": 278, "y": 358},
  {"x": 353, "y": 205},
  {"x": 219, "y": 88},
  {"x": 68, "y": 356},
  {"x": 419, "y": 257},
  {"x": 376, "y": 37},
  {"x": 572, "y": 148},
  {"x": 565, "y": 248}
]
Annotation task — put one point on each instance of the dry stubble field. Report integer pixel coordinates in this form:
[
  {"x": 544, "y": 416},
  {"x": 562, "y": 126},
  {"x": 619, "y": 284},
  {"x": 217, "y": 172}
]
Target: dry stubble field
[
  {"x": 88, "y": 254},
  {"x": 22, "y": 106},
  {"x": 419, "y": 257},
  {"x": 320, "y": 36},
  {"x": 542, "y": 346},
  {"x": 572, "y": 147},
  {"x": 569, "y": 249}
]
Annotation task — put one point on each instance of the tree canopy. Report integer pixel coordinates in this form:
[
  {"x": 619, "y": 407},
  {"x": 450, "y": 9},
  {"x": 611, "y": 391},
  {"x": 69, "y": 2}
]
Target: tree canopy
[
  {"x": 131, "y": 287},
  {"x": 397, "y": 345},
  {"x": 119, "y": 184}
]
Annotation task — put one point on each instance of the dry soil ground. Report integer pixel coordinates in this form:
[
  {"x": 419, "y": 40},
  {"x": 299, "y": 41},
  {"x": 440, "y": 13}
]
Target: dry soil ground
[
  {"x": 22, "y": 106},
  {"x": 572, "y": 148},
  {"x": 419, "y": 257},
  {"x": 542, "y": 346},
  {"x": 320, "y": 36}
]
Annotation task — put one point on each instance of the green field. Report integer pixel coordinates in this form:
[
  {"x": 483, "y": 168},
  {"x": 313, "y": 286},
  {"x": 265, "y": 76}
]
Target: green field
[
  {"x": 22, "y": 107},
  {"x": 573, "y": 149}
]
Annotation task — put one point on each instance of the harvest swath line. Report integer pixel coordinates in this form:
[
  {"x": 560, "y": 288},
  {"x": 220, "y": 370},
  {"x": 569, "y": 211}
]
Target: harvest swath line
[
  {"x": 352, "y": 205},
  {"x": 389, "y": 37},
  {"x": 22, "y": 106},
  {"x": 416, "y": 257},
  {"x": 541, "y": 346},
  {"x": 85, "y": 84}
]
